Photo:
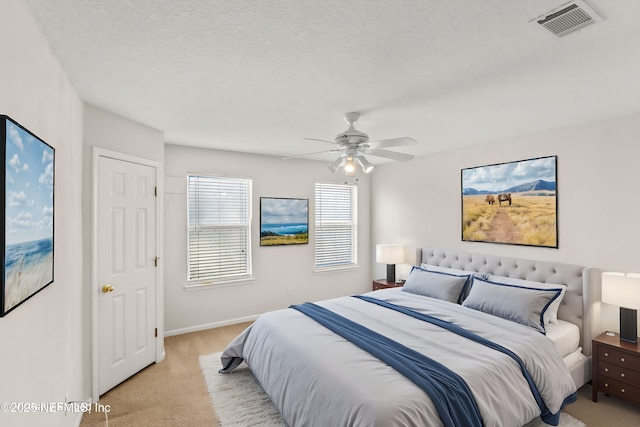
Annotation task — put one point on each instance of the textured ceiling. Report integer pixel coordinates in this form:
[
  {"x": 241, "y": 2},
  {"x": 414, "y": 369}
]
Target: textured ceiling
[{"x": 258, "y": 76}]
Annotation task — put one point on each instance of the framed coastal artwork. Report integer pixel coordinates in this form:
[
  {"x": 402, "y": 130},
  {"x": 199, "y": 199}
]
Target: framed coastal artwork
[
  {"x": 284, "y": 221},
  {"x": 514, "y": 203},
  {"x": 27, "y": 217}
]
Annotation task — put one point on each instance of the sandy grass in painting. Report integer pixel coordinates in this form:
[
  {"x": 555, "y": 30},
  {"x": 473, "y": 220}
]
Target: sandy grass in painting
[
  {"x": 533, "y": 216},
  {"x": 298, "y": 239},
  {"x": 23, "y": 282},
  {"x": 476, "y": 218}
]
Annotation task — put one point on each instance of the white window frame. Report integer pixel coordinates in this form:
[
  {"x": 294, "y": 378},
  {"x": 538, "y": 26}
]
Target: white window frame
[
  {"x": 336, "y": 212},
  {"x": 219, "y": 218}
]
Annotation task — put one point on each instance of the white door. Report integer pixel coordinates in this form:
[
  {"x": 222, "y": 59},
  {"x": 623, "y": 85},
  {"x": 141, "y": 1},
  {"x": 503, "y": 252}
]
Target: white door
[{"x": 126, "y": 269}]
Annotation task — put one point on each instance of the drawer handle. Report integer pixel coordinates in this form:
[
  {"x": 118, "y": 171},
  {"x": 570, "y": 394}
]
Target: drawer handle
[
  {"x": 606, "y": 369},
  {"x": 606, "y": 355},
  {"x": 622, "y": 375},
  {"x": 622, "y": 390},
  {"x": 606, "y": 384},
  {"x": 622, "y": 359}
]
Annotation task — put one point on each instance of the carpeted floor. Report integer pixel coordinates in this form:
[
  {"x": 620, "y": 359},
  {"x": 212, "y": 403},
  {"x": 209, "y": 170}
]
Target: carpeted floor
[{"x": 174, "y": 392}]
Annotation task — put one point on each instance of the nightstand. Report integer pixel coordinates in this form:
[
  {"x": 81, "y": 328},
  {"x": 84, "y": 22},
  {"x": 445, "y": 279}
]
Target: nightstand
[
  {"x": 615, "y": 368},
  {"x": 383, "y": 284}
]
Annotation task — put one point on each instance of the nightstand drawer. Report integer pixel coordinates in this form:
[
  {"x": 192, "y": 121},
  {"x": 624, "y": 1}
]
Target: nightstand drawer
[
  {"x": 620, "y": 373},
  {"x": 619, "y": 389},
  {"x": 620, "y": 358},
  {"x": 615, "y": 368}
]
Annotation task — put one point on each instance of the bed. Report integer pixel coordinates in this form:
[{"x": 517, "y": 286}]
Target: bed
[{"x": 431, "y": 352}]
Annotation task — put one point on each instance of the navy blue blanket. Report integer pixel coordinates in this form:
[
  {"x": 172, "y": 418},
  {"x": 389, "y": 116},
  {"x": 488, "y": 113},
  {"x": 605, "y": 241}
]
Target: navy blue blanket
[
  {"x": 450, "y": 394},
  {"x": 546, "y": 415}
]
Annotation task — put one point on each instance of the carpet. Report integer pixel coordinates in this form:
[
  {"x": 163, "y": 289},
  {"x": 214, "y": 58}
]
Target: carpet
[{"x": 239, "y": 400}]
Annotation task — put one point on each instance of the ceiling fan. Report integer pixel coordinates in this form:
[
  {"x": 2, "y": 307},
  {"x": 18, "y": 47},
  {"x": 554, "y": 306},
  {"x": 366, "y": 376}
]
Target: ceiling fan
[{"x": 353, "y": 144}]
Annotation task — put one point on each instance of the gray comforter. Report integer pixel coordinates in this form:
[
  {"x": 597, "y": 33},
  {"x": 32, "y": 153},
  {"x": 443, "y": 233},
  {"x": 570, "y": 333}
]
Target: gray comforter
[{"x": 317, "y": 378}]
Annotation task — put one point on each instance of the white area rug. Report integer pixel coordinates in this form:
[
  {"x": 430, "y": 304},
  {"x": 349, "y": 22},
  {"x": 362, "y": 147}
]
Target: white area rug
[{"x": 239, "y": 400}]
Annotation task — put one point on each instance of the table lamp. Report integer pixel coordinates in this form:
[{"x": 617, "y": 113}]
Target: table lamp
[
  {"x": 623, "y": 290},
  {"x": 390, "y": 255}
]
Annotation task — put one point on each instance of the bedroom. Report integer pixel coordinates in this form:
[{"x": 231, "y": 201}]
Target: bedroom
[{"x": 596, "y": 158}]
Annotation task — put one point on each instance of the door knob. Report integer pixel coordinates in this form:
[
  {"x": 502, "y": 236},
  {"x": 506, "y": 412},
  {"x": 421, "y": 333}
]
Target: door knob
[{"x": 107, "y": 288}]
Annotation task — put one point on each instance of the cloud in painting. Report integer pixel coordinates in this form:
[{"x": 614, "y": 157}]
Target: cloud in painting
[
  {"x": 18, "y": 199},
  {"x": 47, "y": 156},
  {"x": 508, "y": 175},
  {"x": 14, "y": 136},
  {"x": 284, "y": 211},
  {"x": 46, "y": 177}
]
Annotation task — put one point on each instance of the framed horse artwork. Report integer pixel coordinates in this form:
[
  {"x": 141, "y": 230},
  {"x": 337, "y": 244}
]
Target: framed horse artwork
[{"x": 513, "y": 203}]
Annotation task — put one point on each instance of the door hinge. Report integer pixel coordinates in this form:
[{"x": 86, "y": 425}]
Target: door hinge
[
  {"x": 156, "y": 191},
  {"x": 156, "y": 332},
  {"x": 155, "y": 261}
]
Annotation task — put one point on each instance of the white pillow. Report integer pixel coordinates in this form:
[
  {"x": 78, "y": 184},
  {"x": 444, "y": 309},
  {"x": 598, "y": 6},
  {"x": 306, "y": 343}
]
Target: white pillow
[
  {"x": 457, "y": 272},
  {"x": 516, "y": 303},
  {"x": 444, "y": 286},
  {"x": 551, "y": 315}
]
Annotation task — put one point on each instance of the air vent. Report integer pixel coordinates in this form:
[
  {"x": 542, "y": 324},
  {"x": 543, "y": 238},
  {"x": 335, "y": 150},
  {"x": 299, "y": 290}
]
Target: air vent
[{"x": 568, "y": 18}]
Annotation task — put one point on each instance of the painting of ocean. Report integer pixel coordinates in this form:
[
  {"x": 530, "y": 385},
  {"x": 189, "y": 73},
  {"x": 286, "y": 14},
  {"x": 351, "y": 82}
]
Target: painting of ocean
[
  {"x": 28, "y": 215},
  {"x": 28, "y": 267},
  {"x": 284, "y": 221}
]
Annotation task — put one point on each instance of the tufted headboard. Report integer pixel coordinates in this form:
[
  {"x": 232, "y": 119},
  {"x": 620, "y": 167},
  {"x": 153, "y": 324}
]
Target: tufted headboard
[{"x": 583, "y": 284}]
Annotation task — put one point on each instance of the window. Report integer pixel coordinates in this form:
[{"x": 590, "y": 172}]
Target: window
[
  {"x": 219, "y": 229},
  {"x": 336, "y": 234}
]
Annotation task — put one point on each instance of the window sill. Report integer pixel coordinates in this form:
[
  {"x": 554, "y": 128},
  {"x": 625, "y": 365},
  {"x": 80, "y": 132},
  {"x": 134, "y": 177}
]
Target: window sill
[
  {"x": 201, "y": 286},
  {"x": 327, "y": 270}
]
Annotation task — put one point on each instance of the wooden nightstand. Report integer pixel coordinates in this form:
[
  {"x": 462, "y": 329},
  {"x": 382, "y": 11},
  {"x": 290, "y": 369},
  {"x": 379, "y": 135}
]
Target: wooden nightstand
[
  {"x": 615, "y": 368},
  {"x": 383, "y": 284}
]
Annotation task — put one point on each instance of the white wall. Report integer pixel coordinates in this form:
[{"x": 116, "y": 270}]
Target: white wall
[
  {"x": 418, "y": 203},
  {"x": 109, "y": 131},
  {"x": 274, "y": 268},
  {"x": 42, "y": 339}
]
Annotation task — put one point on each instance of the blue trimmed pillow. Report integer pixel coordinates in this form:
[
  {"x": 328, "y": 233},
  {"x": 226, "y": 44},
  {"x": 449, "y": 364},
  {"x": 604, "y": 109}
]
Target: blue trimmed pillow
[
  {"x": 551, "y": 315},
  {"x": 456, "y": 272},
  {"x": 516, "y": 303},
  {"x": 444, "y": 286}
]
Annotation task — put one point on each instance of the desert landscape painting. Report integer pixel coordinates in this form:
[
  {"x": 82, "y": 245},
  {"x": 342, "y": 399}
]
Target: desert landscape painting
[{"x": 514, "y": 203}]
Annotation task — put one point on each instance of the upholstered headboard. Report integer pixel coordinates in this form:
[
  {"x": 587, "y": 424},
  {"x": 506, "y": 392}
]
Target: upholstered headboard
[{"x": 583, "y": 284}]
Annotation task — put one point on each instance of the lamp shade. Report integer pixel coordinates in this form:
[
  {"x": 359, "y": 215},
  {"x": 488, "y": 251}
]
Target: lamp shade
[
  {"x": 389, "y": 254},
  {"x": 621, "y": 289},
  {"x": 364, "y": 164}
]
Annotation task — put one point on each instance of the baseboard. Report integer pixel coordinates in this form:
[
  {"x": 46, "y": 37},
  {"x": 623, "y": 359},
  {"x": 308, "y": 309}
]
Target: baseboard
[
  {"x": 73, "y": 419},
  {"x": 206, "y": 326}
]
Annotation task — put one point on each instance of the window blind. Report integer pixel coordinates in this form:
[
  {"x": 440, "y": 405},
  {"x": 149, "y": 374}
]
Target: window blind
[
  {"x": 336, "y": 225},
  {"x": 219, "y": 228}
]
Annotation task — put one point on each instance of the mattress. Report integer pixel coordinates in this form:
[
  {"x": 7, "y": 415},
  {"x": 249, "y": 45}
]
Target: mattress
[{"x": 565, "y": 336}]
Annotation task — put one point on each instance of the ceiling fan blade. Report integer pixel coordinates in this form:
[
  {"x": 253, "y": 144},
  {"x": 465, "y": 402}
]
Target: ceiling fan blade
[
  {"x": 321, "y": 140},
  {"x": 393, "y": 142},
  {"x": 311, "y": 154},
  {"x": 389, "y": 154}
]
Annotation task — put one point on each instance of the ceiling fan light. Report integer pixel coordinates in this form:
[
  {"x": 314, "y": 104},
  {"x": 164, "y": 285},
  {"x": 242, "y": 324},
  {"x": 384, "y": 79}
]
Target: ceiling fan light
[
  {"x": 364, "y": 164},
  {"x": 350, "y": 165},
  {"x": 335, "y": 165}
]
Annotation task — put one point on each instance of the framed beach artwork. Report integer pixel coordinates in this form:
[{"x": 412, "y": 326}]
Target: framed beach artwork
[
  {"x": 514, "y": 203},
  {"x": 27, "y": 218},
  {"x": 284, "y": 221}
]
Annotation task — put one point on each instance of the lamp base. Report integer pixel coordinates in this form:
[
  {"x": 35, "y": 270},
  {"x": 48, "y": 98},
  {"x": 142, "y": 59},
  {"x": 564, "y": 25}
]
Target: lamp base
[
  {"x": 391, "y": 273},
  {"x": 628, "y": 325}
]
